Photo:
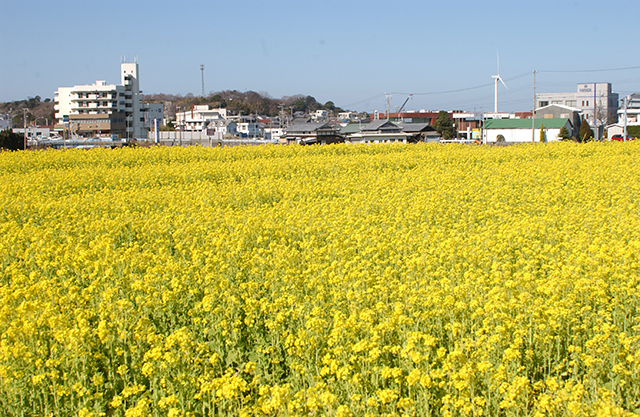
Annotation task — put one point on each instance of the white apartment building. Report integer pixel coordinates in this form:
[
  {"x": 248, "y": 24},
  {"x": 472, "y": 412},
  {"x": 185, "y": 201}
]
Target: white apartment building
[
  {"x": 590, "y": 98},
  {"x": 101, "y": 108}
]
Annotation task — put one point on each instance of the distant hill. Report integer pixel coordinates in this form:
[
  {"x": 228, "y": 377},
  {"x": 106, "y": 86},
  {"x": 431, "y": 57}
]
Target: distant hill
[
  {"x": 248, "y": 102},
  {"x": 237, "y": 102},
  {"x": 38, "y": 110}
]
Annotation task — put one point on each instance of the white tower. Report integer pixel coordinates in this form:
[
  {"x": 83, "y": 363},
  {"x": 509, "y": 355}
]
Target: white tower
[{"x": 129, "y": 76}]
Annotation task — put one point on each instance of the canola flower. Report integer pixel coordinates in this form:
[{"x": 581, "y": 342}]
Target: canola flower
[{"x": 338, "y": 280}]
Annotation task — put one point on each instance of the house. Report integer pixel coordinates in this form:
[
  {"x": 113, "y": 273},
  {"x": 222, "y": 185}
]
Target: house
[
  {"x": 248, "y": 128},
  {"x": 217, "y": 129},
  {"x": 420, "y": 132},
  {"x": 350, "y": 129},
  {"x": 409, "y": 116},
  {"x": 347, "y": 116},
  {"x": 320, "y": 115},
  {"x": 379, "y": 131},
  {"x": 628, "y": 115},
  {"x": 306, "y": 133},
  {"x": 199, "y": 117},
  {"x": 519, "y": 130},
  {"x": 273, "y": 132}
]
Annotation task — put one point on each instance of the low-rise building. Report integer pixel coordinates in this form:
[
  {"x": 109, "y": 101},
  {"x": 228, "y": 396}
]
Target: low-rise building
[
  {"x": 420, "y": 132},
  {"x": 307, "y": 133},
  {"x": 520, "y": 130},
  {"x": 379, "y": 131},
  {"x": 320, "y": 115},
  {"x": 558, "y": 111},
  {"x": 198, "y": 117},
  {"x": 629, "y": 112}
]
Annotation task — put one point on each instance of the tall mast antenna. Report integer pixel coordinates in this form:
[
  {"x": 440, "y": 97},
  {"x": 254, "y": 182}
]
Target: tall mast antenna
[{"x": 202, "y": 71}]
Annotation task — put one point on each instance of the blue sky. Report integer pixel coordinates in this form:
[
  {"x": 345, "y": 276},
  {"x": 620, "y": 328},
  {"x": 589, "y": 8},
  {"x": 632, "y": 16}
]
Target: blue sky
[{"x": 350, "y": 52}]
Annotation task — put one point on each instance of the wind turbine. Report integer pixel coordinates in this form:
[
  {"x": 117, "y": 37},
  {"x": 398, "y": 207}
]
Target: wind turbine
[{"x": 496, "y": 78}]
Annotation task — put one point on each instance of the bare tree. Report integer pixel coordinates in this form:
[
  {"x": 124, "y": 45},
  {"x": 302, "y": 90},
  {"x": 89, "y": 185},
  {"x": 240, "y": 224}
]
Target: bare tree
[{"x": 602, "y": 116}]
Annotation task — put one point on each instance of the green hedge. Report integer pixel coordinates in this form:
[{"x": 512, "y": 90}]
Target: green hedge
[{"x": 633, "y": 131}]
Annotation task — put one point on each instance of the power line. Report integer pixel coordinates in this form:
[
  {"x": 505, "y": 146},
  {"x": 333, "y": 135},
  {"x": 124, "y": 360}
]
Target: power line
[
  {"x": 362, "y": 101},
  {"x": 592, "y": 70},
  {"x": 464, "y": 89},
  {"x": 527, "y": 74}
]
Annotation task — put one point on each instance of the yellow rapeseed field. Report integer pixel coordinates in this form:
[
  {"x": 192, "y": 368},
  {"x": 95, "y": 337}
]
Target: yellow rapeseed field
[{"x": 321, "y": 281}]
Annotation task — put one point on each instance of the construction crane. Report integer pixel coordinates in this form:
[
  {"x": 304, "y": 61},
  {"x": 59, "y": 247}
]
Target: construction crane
[{"x": 403, "y": 104}]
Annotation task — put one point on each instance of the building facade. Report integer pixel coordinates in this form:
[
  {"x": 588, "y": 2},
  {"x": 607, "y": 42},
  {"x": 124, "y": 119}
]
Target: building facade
[
  {"x": 596, "y": 102},
  {"x": 101, "y": 108},
  {"x": 198, "y": 117}
]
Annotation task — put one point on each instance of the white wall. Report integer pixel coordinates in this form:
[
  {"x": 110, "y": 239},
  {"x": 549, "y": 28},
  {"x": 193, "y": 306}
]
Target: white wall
[{"x": 521, "y": 135}]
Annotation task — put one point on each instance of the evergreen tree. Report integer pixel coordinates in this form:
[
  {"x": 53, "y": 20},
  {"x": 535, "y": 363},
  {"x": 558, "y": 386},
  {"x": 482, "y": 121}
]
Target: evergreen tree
[
  {"x": 585, "y": 134},
  {"x": 11, "y": 141},
  {"x": 543, "y": 137},
  {"x": 444, "y": 125},
  {"x": 564, "y": 133}
]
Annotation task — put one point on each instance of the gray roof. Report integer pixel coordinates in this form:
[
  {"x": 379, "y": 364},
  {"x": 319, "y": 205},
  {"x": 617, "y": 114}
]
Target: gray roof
[
  {"x": 381, "y": 124},
  {"x": 350, "y": 128},
  {"x": 416, "y": 127},
  {"x": 306, "y": 127},
  {"x": 574, "y": 109}
]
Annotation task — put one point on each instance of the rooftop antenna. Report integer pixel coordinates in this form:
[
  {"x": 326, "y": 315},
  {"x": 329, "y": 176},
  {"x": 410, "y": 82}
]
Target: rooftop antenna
[
  {"x": 496, "y": 78},
  {"x": 202, "y": 71}
]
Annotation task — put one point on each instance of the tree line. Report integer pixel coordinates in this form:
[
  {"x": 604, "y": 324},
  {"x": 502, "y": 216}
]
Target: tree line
[
  {"x": 37, "y": 110},
  {"x": 248, "y": 102}
]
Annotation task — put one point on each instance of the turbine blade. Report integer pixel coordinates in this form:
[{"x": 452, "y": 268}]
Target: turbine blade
[{"x": 505, "y": 86}]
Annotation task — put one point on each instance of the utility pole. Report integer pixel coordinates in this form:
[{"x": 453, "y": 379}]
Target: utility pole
[
  {"x": 533, "y": 113},
  {"x": 388, "y": 97},
  {"x": 624, "y": 132},
  {"x": 24, "y": 111},
  {"x": 595, "y": 119},
  {"x": 178, "y": 108}
]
